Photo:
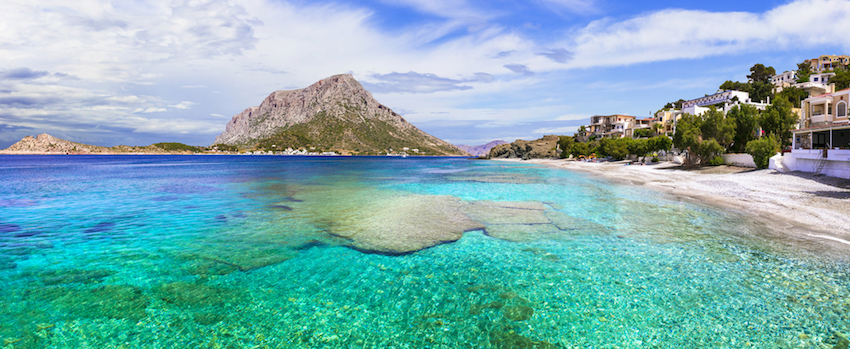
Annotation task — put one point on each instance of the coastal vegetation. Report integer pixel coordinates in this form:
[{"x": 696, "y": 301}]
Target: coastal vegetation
[
  {"x": 762, "y": 150},
  {"x": 616, "y": 148}
]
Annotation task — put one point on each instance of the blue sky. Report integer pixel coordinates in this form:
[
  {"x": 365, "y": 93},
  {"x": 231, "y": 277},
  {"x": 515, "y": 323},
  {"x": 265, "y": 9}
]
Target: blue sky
[{"x": 469, "y": 72}]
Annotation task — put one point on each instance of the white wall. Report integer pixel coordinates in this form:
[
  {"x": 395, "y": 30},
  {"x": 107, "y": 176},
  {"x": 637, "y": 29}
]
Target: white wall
[
  {"x": 840, "y": 169},
  {"x": 742, "y": 160}
]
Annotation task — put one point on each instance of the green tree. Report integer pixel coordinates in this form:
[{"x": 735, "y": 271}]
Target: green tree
[
  {"x": 639, "y": 147},
  {"x": 688, "y": 137},
  {"x": 778, "y": 120},
  {"x": 745, "y": 118},
  {"x": 793, "y": 95},
  {"x": 717, "y": 126},
  {"x": 708, "y": 150},
  {"x": 761, "y": 91},
  {"x": 735, "y": 86},
  {"x": 579, "y": 149},
  {"x": 841, "y": 79},
  {"x": 659, "y": 143},
  {"x": 762, "y": 150},
  {"x": 581, "y": 131},
  {"x": 615, "y": 148},
  {"x": 804, "y": 70},
  {"x": 566, "y": 145},
  {"x": 760, "y": 73},
  {"x": 675, "y": 105},
  {"x": 642, "y": 133}
]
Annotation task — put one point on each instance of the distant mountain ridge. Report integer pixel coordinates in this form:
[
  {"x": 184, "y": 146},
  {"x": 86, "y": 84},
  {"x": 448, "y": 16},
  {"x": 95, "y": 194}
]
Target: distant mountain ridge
[
  {"x": 480, "y": 150},
  {"x": 47, "y": 144},
  {"x": 333, "y": 114}
]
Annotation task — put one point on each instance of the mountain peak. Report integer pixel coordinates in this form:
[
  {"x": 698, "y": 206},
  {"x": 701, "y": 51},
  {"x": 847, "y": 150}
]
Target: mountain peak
[{"x": 333, "y": 114}]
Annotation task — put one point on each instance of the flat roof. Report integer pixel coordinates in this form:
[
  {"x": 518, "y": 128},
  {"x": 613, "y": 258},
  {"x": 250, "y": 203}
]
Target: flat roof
[{"x": 832, "y": 126}]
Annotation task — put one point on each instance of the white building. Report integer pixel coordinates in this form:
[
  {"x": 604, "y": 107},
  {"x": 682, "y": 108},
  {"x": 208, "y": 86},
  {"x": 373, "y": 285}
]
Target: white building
[
  {"x": 722, "y": 100},
  {"x": 818, "y": 84},
  {"x": 789, "y": 77}
]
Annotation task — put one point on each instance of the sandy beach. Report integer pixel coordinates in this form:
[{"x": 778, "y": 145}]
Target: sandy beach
[{"x": 802, "y": 209}]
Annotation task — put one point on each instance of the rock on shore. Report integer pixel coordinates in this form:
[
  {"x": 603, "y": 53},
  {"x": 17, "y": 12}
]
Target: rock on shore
[{"x": 520, "y": 149}]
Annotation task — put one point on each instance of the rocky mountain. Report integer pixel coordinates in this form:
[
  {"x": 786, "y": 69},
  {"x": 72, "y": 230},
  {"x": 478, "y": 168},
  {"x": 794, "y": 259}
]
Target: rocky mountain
[
  {"x": 47, "y": 144},
  {"x": 480, "y": 150},
  {"x": 540, "y": 148},
  {"x": 334, "y": 114}
]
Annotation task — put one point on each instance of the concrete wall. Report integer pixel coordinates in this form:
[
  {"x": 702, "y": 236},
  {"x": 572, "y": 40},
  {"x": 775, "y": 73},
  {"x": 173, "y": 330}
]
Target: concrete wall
[
  {"x": 742, "y": 160},
  {"x": 806, "y": 163}
]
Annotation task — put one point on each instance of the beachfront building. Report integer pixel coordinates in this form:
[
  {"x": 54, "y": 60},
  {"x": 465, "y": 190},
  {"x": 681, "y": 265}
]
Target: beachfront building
[
  {"x": 609, "y": 126},
  {"x": 667, "y": 119},
  {"x": 639, "y": 124},
  {"x": 822, "y": 143},
  {"x": 722, "y": 100}
]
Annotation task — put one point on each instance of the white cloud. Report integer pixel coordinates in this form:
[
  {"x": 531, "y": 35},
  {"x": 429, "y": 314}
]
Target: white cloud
[
  {"x": 686, "y": 34},
  {"x": 183, "y": 105},
  {"x": 154, "y": 110}
]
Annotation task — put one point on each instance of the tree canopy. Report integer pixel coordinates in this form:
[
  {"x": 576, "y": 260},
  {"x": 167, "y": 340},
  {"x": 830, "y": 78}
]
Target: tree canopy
[
  {"x": 841, "y": 79},
  {"x": 745, "y": 118},
  {"x": 675, "y": 105},
  {"x": 804, "y": 70},
  {"x": 794, "y": 95},
  {"x": 778, "y": 120},
  {"x": 717, "y": 126},
  {"x": 760, "y": 73},
  {"x": 759, "y": 91}
]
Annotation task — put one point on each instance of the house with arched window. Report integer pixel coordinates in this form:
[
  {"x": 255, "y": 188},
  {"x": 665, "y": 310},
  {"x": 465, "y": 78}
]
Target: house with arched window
[{"x": 822, "y": 142}]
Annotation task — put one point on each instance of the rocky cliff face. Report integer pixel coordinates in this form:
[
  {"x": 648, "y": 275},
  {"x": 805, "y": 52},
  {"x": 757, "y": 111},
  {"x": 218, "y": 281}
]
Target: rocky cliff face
[
  {"x": 335, "y": 114},
  {"x": 536, "y": 149},
  {"x": 480, "y": 150}
]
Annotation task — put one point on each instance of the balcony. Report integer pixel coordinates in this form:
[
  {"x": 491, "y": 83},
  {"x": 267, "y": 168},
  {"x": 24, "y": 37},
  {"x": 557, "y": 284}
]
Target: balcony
[{"x": 821, "y": 117}]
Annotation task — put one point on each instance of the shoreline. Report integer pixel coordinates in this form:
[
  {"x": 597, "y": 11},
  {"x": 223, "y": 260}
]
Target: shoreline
[{"x": 800, "y": 208}]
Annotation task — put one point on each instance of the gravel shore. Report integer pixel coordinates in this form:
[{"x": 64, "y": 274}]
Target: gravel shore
[{"x": 800, "y": 207}]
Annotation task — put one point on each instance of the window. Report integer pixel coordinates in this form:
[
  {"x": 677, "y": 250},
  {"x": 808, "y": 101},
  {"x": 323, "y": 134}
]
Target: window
[
  {"x": 816, "y": 79},
  {"x": 841, "y": 109}
]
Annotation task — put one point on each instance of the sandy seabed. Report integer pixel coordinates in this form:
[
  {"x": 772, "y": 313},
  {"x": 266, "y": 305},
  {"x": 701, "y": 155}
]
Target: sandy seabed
[{"x": 803, "y": 209}]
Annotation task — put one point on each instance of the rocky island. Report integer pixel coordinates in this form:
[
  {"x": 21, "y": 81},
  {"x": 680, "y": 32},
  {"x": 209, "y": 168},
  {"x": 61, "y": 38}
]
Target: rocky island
[
  {"x": 47, "y": 144},
  {"x": 334, "y": 114}
]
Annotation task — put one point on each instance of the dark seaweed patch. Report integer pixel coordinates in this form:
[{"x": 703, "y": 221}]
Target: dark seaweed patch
[
  {"x": 283, "y": 207},
  {"x": 101, "y": 227},
  {"x": 166, "y": 198},
  {"x": 27, "y": 234},
  {"x": 9, "y": 228}
]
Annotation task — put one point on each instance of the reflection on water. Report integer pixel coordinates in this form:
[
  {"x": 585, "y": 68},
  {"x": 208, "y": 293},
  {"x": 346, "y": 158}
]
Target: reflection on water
[{"x": 183, "y": 251}]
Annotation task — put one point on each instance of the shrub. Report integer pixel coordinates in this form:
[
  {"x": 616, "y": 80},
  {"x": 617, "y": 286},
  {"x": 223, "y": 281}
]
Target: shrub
[
  {"x": 655, "y": 159},
  {"x": 709, "y": 149},
  {"x": 716, "y": 161},
  {"x": 762, "y": 150}
]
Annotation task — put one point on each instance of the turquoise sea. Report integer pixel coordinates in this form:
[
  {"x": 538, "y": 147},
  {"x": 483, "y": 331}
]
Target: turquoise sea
[{"x": 360, "y": 252}]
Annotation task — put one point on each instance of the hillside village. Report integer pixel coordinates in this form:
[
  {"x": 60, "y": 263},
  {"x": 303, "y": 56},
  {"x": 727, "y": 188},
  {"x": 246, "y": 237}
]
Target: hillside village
[{"x": 801, "y": 115}]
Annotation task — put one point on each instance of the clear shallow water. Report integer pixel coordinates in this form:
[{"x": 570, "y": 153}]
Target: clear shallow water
[{"x": 243, "y": 252}]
